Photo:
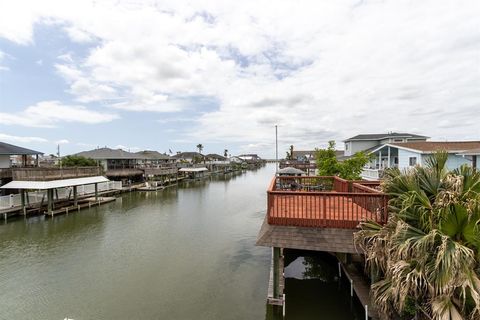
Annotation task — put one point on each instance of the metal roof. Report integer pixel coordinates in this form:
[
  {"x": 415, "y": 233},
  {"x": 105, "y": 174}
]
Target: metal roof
[
  {"x": 193, "y": 169},
  {"x": 43, "y": 185},
  {"x": 381, "y": 136},
  {"x": 10, "y": 149}
]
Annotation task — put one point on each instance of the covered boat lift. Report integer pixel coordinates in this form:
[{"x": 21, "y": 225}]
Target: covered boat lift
[
  {"x": 194, "y": 173},
  {"x": 51, "y": 185}
]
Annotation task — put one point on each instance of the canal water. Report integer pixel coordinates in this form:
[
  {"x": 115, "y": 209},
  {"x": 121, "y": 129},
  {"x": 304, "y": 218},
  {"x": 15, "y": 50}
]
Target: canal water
[{"x": 181, "y": 253}]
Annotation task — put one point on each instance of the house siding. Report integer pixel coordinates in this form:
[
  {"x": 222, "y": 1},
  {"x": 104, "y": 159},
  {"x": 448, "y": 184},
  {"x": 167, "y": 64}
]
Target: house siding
[
  {"x": 356, "y": 146},
  {"x": 404, "y": 158},
  {"x": 453, "y": 161}
]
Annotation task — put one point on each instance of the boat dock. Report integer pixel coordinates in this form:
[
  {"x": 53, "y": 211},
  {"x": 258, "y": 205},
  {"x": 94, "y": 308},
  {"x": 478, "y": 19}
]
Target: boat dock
[{"x": 86, "y": 203}]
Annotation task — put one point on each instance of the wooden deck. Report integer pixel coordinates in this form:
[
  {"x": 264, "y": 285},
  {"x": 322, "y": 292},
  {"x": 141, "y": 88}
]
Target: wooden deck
[{"x": 338, "y": 205}]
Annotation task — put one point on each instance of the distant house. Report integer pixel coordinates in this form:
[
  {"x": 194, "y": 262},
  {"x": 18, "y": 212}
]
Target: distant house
[
  {"x": 213, "y": 157},
  {"x": 122, "y": 165},
  {"x": 111, "y": 159},
  {"x": 303, "y": 155},
  {"x": 15, "y": 156},
  {"x": 48, "y": 161},
  {"x": 152, "y": 159},
  {"x": 250, "y": 157},
  {"x": 309, "y": 155},
  {"x": 236, "y": 159},
  {"x": 189, "y": 157},
  {"x": 11, "y": 157},
  {"x": 405, "y": 155}
]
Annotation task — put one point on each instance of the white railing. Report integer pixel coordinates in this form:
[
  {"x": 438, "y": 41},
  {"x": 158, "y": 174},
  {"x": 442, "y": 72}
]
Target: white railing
[
  {"x": 371, "y": 174},
  {"x": 35, "y": 197}
]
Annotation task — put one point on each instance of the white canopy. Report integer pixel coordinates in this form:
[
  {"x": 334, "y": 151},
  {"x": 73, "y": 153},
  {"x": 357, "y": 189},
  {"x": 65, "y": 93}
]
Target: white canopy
[
  {"x": 43, "y": 185},
  {"x": 193, "y": 169}
]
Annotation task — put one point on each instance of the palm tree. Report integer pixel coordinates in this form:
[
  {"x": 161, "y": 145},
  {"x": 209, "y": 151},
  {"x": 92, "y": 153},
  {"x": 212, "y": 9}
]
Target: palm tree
[
  {"x": 200, "y": 148},
  {"x": 225, "y": 153},
  {"x": 425, "y": 260}
]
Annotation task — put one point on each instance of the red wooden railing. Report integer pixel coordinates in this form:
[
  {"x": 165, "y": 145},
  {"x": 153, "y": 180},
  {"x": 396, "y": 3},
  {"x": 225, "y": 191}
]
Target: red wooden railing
[{"x": 329, "y": 202}]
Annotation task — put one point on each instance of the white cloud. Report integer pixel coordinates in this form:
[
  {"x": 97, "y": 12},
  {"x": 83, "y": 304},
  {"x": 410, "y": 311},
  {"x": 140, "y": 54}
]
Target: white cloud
[
  {"x": 52, "y": 113},
  {"x": 62, "y": 141},
  {"x": 2, "y": 57},
  {"x": 20, "y": 139},
  {"x": 320, "y": 70}
]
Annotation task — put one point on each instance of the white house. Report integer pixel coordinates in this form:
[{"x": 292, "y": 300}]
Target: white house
[{"x": 405, "y": 155}]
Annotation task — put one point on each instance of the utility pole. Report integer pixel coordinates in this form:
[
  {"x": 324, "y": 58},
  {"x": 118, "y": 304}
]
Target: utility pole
[
  {"x": 58, "y": 155},
  {"x": 276, "y": 150}
]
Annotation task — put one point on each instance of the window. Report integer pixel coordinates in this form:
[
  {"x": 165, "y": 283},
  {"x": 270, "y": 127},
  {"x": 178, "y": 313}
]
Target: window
[
  {"x": 397, "y": 140},
  {"x": 412, "y": 161},
  {"x": 346, "y": 146}
]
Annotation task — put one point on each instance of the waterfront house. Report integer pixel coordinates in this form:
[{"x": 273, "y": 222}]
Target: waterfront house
[
  {"x": 213, "y": 157},
  {"x": 404, "y": 155},
  {"x": 303, "y": 155},
  {"x": 117, "y": 164},
  {"x": 250, "y": 158},
  {"x": 12, "y": 156},
  {"x": 122, "y": 165},
  {"x": 188, "y": 157},
  {"x": 152, "y": 159}
]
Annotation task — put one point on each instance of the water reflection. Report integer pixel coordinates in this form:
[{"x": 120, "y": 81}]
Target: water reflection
[
  {"x": 186, "y": 252},
  {"x": 313, "y": 289}
]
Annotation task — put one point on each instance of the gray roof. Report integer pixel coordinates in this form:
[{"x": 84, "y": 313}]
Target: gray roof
[
  {"x": 187, "y": 155},
  {"x": 152, "y": 155},
  {"x": 10, "y": 149},
  {"x": 215, "y": 156},
  {"x": 381, "y": 136},
  {"x": 107, "y": 153}
]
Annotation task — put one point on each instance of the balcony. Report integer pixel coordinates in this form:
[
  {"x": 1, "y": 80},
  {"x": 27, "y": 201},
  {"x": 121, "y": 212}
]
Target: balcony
[
  {"x": 5, "y": 173},
  {"x": 48, "y": 174},
  {"x": 372, "y": 174},
  {"x": 324, "y": 202}
]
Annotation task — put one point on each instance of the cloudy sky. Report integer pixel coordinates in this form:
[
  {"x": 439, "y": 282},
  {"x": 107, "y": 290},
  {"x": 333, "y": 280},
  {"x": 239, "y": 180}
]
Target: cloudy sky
[{"x": 171, "y": 74}]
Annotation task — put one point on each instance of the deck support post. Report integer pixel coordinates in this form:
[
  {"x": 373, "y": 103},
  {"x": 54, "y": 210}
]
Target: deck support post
[
  {"x": 276, "y": 274},
  {"x": 96, "y": 191},
  {"x": 75, "y": 196},
  {"x": 22, "y": 196},
  {"x": 388, "y": 164},
  {"x": 474, "y": 162},
  {"x": 380, "y": 159}
]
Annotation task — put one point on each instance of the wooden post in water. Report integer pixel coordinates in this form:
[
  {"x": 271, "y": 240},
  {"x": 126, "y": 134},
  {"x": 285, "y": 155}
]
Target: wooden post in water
[
  {"x": 22, "y": 196},
  {"x": 96, "y": 191},
  {"x": 50, "y": 200},
  {"x": 75, "y": 196}
]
